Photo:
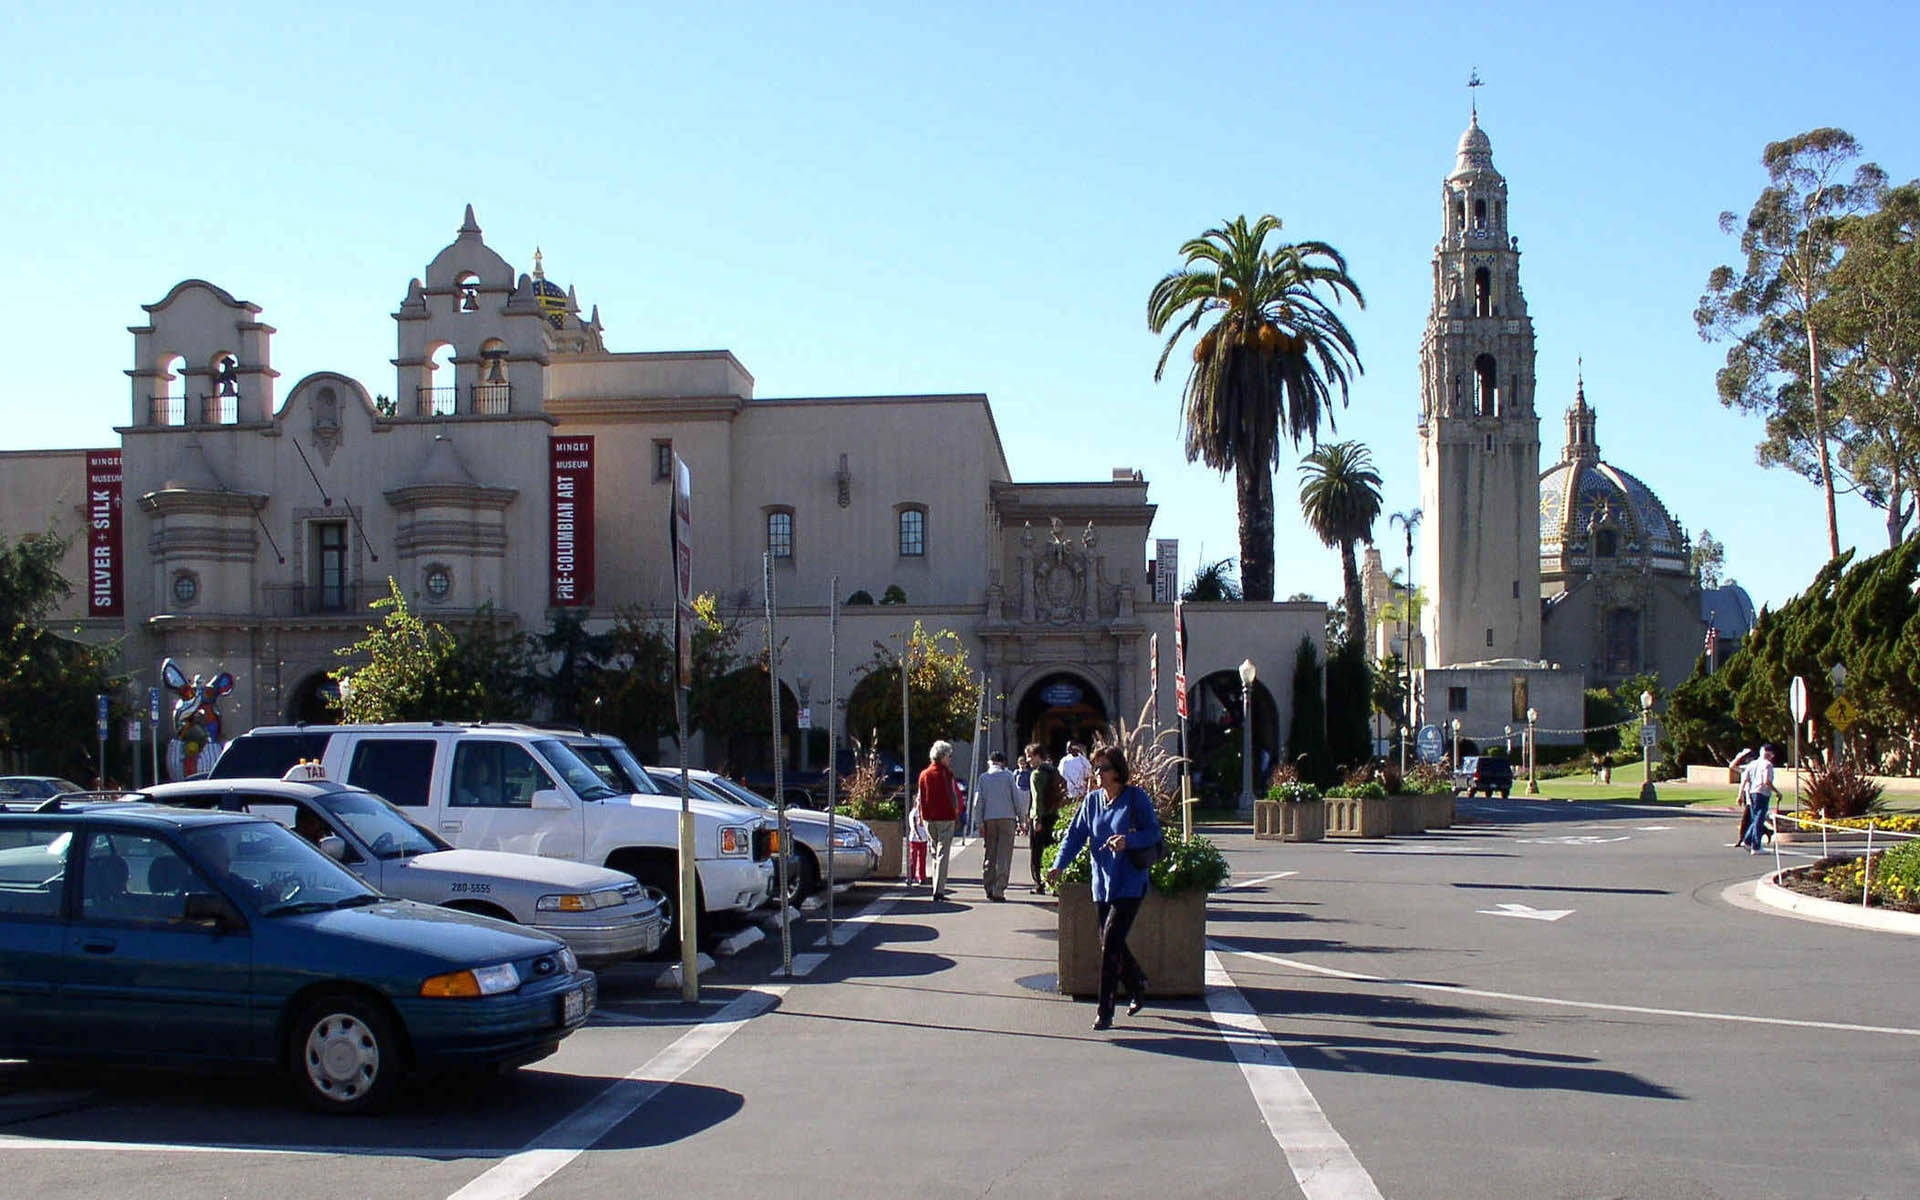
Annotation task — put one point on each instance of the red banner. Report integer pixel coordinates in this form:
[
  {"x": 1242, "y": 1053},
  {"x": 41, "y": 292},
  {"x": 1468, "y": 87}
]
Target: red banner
[
  {"x": 1179, "y": 660},
  {"x": 106, "y": 590},
  {"x": 570, "y": 492}
]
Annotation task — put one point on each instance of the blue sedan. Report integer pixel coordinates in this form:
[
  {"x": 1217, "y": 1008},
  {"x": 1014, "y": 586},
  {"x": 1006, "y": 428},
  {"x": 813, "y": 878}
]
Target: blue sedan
[{"x": 151, "y": 935}]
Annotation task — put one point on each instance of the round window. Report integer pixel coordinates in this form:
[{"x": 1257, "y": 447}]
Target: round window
[
  {"x": 185, "y": 588},
  {"x": 439, "y": 583}
]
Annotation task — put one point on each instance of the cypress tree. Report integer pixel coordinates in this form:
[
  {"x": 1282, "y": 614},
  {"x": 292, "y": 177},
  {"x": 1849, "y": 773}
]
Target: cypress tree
[{"x": 1307, "y": 733}]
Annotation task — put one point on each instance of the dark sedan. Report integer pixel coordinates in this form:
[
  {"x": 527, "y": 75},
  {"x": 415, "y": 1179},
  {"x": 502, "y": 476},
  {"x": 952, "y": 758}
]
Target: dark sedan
[{"x": 168, "y": 937}]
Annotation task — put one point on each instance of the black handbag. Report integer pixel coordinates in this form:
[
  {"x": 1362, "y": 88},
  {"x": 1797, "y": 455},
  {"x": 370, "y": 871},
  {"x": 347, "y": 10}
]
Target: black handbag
[{"x": 1145, "y": 856}]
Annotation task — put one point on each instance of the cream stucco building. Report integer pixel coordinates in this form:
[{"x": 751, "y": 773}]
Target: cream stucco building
[{"x": 520, "y": 466}]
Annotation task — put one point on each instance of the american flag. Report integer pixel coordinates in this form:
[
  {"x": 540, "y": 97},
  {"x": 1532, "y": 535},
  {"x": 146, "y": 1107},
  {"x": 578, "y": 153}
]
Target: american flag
[{"x": 1713, "y": 637}]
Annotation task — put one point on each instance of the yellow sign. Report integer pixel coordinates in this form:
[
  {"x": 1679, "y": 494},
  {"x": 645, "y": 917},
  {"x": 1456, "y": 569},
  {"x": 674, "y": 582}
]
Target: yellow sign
[{"x": 1843, "y": 713}]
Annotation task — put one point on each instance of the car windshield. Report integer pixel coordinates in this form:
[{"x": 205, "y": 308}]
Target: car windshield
[
  {"x": 384, "y": 828},
  {"x": 615, "y": 767},
  {"x": 737, "y": 793},
  {"x": 583, "y": 779},
  {"x": 275, "y": 869},
  {"x": 700, "y": 789}
]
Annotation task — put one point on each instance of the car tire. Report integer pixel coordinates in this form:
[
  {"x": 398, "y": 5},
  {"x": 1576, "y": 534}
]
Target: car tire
[
  {"x": 660, "y": 883},
  {"x": 344, "y": 1055},
  {"x": 806, "y": 870}
]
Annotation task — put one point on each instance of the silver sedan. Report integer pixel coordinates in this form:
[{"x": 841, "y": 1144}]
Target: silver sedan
[
  {"x": 602, "y": 915},
  {"x": 853, "y": 847}
]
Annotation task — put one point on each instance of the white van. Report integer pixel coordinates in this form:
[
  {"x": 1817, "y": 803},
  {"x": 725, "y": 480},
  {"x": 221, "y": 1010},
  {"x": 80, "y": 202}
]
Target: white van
[{"x": 519, "y": 788}]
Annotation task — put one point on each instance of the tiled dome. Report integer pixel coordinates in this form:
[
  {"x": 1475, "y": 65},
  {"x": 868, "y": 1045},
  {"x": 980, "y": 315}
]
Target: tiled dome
[{"x": 1581, "y": 496}]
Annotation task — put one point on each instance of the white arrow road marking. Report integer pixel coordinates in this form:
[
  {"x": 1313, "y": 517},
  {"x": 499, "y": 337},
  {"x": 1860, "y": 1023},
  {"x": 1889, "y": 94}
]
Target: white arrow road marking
[
  {"x": 1652, "y": 828},
  {"x": 1576, "y": 840},
  {"x": 1411, "y": 850},
  {"x": 1526, "y": 912}
]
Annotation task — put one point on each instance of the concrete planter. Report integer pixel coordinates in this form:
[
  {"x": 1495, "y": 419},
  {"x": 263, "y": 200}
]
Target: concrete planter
[
  {"x": 1405, "y": 815},
  {"x": 1436, "y": 810},
  {"x": 1266, "y": 819},
  {"x": 892, "y": 851},
  {"x": 1303, "y": 821},
  {"x": 1350, "y": 817},
  {"x": 1169, "y": 939}
]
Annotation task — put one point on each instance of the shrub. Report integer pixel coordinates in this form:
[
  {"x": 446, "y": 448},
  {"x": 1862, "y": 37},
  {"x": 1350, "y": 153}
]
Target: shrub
[
  {"x": 1896, "y": 875},
  {"x": 866, "y": 794},
  {"x": 1294, "y": 792},
  {"x": 1838, "y": 789},
  {"x": 1372, "y": 789},
  {"x": 1428, "y": 779}
]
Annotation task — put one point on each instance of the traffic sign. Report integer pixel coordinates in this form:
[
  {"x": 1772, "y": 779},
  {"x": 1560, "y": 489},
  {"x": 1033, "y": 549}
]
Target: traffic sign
[
  {"x": 804, "y": 718},
  {"x": 1429, "y": 743},
  {"x": 1649, "y": 735},
  {"x": 1797, "y": 699}
]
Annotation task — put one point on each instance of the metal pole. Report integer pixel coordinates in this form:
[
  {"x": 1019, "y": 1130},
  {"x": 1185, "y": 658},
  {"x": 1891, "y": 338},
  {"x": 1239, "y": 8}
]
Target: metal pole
[
  {"x": 689, "y": 934},
  {"x": 1246, "y": 747},
  {"x": 153, "y": 726},
  {"x": 973, "y": 754},
  {"x": 779, "y": 777},
  {"x": 833, "y": 736},
  {"x": 906, "y": 768}
]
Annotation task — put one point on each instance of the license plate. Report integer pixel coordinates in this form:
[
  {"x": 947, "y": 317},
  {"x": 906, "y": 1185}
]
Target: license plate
[{"x": 573, "y": 1006}]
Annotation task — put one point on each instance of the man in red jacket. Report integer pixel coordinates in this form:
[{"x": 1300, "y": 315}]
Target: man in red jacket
[{"x": 937, "y": 800}]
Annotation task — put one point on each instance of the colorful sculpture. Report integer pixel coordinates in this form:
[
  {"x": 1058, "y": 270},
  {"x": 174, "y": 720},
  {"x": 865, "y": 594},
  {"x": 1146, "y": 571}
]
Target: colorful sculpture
[{"x": 195, "y": 744}]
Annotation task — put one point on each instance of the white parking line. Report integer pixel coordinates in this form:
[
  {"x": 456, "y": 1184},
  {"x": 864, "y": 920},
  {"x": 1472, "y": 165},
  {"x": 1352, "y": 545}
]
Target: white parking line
[
  {"x": 1322, "y": 1163},
  {"x": 1559, "y": 1002},
  {"x": 518, "y": 1174},
  {"x": 1257, "y": 882}
]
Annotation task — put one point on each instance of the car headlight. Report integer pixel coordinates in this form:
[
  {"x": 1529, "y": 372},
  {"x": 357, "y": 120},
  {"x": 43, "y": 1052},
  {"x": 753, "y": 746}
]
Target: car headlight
[
  {"x": 848, "y": 838},
  {"x": 568, "y": 963},
  {"x": 580, "y": 901},
  {"x": 736, "y": 841},
  {"x": 478, "y": 981}
]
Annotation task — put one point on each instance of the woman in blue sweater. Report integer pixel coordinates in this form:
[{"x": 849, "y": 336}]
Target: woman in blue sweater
[{"x": 1115, "y": 817}]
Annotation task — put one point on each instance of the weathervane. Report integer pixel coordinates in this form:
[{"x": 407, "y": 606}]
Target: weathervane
[{"x": 1473, "y": 81}]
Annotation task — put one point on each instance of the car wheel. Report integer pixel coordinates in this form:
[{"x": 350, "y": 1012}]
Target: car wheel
[
  {"x": 806, "y": 876},
  {"x": 659, "y": 883},
  {"x": 345, "y": 1055}
]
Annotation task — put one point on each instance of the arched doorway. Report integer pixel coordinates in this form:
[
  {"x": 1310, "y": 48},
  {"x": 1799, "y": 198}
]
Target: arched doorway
[
  {"x": 315, "y": 701},
  {"x": 1216, "y": 736},
  {"x": 1060, "y": 708}
]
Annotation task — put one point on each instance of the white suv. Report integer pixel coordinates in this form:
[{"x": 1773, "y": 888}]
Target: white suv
[{"x": 519, "y": 788}]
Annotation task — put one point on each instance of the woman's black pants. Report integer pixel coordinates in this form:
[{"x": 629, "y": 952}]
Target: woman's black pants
[{"x": 1117, "y": 965}]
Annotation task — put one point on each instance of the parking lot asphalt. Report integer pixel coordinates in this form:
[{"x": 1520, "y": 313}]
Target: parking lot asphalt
[{"x": 1547, "y": 1000}]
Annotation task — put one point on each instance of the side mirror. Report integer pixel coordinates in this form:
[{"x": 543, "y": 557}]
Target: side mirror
[
  {"x": 334, "y": 847},
  {"x": 549, "y": 798},
  {"x": 211, "y": 908}
]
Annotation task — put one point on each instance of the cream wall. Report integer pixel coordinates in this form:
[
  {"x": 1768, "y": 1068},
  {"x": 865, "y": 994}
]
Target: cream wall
[{"x": 45, "y": 491}]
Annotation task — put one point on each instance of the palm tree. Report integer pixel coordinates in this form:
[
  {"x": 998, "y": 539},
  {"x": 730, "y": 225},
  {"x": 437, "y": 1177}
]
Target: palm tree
[
  {"x": 1267, "y": 362},
  {"x": 1340, "y": 498}
]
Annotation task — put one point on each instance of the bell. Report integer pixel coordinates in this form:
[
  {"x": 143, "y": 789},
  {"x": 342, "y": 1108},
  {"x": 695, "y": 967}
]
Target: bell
[{"x": 469, "y": 300}]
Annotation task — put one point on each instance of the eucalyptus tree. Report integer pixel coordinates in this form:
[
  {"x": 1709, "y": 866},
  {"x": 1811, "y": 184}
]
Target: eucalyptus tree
[
  {"x": 1767, "y": 306},
  {"x": 1269, "y": 354}
]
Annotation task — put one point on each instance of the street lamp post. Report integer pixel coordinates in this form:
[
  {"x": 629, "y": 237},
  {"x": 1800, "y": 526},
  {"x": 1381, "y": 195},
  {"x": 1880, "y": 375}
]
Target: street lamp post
[
  {"x": 1456, "y": 742},
  {"x": 1533, "y": 782},
  {"x": 1246, "y": 736},
  {"x": 1647, "y": 794},
  {"x": 1839, "y": 677},
  {"x": 1507, "y": 735}
]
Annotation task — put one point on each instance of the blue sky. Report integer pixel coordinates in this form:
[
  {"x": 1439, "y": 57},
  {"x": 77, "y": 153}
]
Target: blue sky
[{"x": 881, "y": 198}]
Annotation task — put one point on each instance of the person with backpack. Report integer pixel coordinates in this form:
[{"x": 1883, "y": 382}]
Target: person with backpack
[
  {"x": 1049, "y": 793},
  {"x": 1118, "y": 822}
]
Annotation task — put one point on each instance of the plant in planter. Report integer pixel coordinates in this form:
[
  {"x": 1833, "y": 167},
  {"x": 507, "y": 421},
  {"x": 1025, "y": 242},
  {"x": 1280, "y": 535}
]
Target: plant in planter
[
  {"x": 867, "y": 798},
  {"x": 1169, "y": 937},
  {"x": 1293, "y": 811}
]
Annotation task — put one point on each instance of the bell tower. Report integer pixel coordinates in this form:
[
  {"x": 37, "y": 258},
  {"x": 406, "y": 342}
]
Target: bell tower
[{"x": 1479, "y": 437}]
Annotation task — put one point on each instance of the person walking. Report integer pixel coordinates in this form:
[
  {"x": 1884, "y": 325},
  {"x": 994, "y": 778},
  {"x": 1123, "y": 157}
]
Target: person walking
[
  {"x": 1756, "y": 781},
  {"x": 997, "y": 810},
  {"x": 1077, "y": 770},
  {"x": 1049, "y": 793},
  {"x": 938, "y": 802},
  {"x": 1115, "y": 817}
]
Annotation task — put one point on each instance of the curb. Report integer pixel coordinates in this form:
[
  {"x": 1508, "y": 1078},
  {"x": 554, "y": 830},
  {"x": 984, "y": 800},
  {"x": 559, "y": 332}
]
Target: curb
[
  {"x": 670, "y": 978},
  {"x": 1770, "y": 893}
]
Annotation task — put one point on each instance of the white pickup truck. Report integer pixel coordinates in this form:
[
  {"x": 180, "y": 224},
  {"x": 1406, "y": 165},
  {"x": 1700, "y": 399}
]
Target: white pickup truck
[{"x": 519, "y": 788}]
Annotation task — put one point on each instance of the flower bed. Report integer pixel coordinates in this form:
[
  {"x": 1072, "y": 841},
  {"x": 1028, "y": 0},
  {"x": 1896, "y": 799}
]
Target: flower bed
[{"x": 1896, "y": 879}]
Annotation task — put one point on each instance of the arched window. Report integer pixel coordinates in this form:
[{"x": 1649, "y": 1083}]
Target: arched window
[
  {"x": 1486, "y": 392},
  {"x": 1606, "y": 543},
  {"x": 221, "y": 404},
  {"x": 490, "y": 395},
  {"x": 913, "y": 532},
  {"x": 780, "y": 533},
  {"x": 1479, "y": 214},
  {"x": 1459, "y": 213},
  {"x": 437, "y": 396},
  {"x": 1482, "y": 292},
  {"x": 169, "y": 404}
]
